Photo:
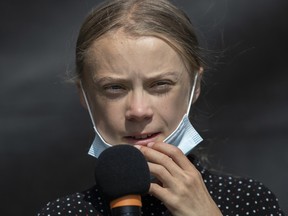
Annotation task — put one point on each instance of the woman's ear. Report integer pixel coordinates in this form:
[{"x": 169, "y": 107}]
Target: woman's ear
[
  {"x": 198, "y": 84},
  {"x": 81, "y": 93}
]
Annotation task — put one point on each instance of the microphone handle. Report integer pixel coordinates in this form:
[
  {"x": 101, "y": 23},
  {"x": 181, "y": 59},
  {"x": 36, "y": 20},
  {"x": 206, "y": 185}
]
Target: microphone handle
[{"x": 126, "y": 211}]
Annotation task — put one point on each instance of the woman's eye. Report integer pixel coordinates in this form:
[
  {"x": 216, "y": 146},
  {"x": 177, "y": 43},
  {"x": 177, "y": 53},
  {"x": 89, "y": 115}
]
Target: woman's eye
[
  {"x": 161, "y": 86},
  {"x": 113, "y": 90}
]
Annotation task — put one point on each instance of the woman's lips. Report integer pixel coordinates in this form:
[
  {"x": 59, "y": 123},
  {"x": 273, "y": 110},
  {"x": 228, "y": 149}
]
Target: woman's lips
[{"x": 141, "y": 139}]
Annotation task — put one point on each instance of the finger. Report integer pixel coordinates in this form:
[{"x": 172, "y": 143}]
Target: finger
[
  {"x": 163, "y": 194},
  {"x": 164, "y": 161},
  {"x": 174, "y": 153},
  {"x": 163, "y": 175},
  {"x": 159, "y": 192}
]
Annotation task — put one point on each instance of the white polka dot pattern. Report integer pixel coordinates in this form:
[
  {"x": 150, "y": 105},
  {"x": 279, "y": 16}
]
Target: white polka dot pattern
[{"x": 233, "y": 196}]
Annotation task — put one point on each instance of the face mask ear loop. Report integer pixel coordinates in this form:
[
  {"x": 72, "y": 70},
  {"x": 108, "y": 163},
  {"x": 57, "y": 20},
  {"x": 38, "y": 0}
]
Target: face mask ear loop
[
  {"x": 87, "y": 104},
  {"x": 192, "y": 92}
]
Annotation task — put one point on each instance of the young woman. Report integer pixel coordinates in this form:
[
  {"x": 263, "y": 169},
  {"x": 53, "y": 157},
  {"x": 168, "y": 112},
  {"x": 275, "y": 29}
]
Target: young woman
[{"x": 139, "y": 69}]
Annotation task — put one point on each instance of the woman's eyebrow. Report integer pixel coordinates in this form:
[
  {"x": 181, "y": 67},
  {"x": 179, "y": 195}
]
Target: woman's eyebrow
[
  {"x": 104, "y": 79},
  {"x": 99, "y": 80},
  {"x": 174, "y": 74}
]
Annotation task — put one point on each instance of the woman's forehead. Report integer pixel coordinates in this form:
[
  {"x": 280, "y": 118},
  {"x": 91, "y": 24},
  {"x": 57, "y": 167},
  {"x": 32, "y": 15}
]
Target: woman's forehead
[{"x": 120, "y": 51}]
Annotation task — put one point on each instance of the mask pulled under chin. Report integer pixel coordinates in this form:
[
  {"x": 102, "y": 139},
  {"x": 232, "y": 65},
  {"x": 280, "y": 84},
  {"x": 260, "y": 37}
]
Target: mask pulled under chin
[{"x": 185, "y": 137}]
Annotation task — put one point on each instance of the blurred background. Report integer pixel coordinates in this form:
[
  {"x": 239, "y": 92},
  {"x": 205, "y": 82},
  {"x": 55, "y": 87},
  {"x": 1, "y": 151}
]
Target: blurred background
[{"x": 45, "y": 133}]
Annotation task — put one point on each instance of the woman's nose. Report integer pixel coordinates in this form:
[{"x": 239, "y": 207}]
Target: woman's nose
[{"x": 138, "y": 107}]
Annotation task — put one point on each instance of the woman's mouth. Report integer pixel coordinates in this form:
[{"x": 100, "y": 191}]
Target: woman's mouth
[{"x": 142, "y": 139}]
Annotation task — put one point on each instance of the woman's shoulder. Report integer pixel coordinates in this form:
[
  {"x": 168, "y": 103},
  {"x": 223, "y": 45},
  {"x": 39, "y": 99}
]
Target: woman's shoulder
[
  {"x": 81, "y": 203},
  {"x": 239, "y": 195}
]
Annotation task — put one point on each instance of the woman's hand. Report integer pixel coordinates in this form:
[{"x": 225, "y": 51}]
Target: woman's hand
[{"x": 181, "y": 186}]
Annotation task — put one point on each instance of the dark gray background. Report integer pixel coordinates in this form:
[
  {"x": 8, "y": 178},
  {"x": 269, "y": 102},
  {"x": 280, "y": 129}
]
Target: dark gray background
[{"x": 45, "y": 133}]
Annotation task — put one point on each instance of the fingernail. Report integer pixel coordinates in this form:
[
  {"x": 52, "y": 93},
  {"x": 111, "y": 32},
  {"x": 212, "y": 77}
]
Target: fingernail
[
  {"x": 150, "y": 144},
  {"x": 137, "y": 146}
]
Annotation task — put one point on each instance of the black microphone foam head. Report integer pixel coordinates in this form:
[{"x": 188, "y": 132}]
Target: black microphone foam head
[{"x": 122, "y": 170}]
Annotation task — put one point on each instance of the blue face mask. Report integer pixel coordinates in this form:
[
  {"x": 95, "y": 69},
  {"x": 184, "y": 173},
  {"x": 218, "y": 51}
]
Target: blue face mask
[{"x": 185, "y": 137}]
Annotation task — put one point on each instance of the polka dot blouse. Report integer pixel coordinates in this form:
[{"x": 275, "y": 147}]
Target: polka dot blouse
[{"x": 234, "y": 196}]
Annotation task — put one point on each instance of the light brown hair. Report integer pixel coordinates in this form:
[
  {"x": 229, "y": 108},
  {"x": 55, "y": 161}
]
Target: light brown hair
[{"x": 158, "y": 18}]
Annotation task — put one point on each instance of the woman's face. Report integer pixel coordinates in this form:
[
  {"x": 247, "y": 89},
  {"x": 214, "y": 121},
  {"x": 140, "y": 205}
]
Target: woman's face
[{"x": 138, "y": 88}]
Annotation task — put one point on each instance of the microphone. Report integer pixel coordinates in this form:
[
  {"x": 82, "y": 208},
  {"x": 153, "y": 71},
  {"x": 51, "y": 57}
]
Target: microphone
[{"x": 122, "y": 174}]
